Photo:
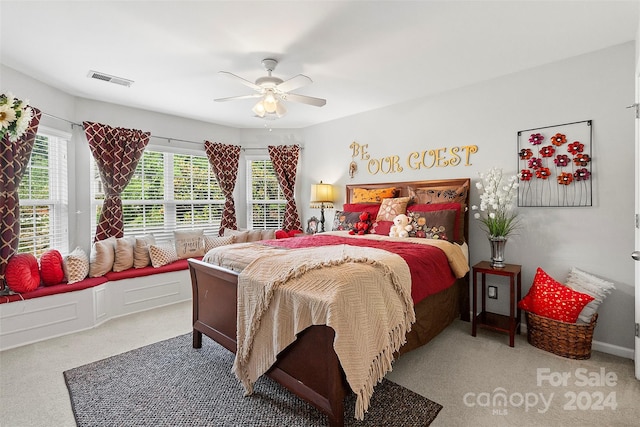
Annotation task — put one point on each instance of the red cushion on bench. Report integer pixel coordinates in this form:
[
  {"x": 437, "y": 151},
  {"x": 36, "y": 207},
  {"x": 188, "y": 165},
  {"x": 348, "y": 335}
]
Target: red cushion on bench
[
  {"x": 181, "y": 264},
  {"x": 43, "y": 291},
  {"x": 89, "y": 282}
]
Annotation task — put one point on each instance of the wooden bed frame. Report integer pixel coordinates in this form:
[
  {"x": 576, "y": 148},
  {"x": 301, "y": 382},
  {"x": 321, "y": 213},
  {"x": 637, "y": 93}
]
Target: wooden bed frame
[{"x": 309, "y": 367}]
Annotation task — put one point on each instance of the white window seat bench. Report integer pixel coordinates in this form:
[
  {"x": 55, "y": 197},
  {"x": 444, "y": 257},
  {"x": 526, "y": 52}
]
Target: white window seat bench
[{"x": 62, "y": 309}]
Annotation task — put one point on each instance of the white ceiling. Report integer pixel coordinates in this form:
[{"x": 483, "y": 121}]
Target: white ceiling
[{"x": 361, "y": 55}]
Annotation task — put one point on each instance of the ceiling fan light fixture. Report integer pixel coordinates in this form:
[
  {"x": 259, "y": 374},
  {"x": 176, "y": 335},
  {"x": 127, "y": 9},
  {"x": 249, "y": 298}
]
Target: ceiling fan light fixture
[
  {"x": 269, "y": 102},
  {"x": 259, "y": 109},
  {"x": 281, "y": 110}
]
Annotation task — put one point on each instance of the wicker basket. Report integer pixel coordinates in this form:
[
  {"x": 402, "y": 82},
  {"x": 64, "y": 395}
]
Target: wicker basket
[{"x": 572, "y": 340}]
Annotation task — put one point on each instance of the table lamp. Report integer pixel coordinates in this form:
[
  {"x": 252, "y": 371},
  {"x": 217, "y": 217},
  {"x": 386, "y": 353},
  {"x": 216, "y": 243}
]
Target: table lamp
[{"x": 321, "y": 197}]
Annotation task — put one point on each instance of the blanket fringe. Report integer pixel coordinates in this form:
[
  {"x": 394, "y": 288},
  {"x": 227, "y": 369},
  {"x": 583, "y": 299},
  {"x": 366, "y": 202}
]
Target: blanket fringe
[{"x": 381, "y": 364}]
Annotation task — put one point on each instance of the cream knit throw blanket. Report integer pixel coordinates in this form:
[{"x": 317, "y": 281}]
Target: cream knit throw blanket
[{"x": 364, "y": 294}]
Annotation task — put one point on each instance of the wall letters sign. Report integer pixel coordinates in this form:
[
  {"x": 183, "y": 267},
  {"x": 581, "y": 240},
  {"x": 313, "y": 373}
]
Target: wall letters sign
[{"x": 416, "y": 160}]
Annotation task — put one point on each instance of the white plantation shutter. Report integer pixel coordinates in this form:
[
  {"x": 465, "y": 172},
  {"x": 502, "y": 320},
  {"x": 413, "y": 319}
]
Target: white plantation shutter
[
  {"x": 168, "y": 191},
  {"x": 266, "y": 203},
  {"x": 44, "y": 197}
]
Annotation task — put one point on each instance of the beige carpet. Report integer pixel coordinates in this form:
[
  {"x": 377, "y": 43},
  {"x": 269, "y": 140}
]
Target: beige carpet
[{"x": 456, "y": 370}]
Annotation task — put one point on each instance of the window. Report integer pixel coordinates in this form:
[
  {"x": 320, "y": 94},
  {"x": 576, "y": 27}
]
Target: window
[
  {"x": 43, "y": 192},
  {"x": 265, "y": 202},
  {"x": 168, "y": 191}
]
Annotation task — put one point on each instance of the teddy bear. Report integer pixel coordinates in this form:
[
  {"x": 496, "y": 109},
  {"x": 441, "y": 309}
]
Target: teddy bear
[
  {"x": 362, "y": 227},
  {"x": 401, "y": 226}
]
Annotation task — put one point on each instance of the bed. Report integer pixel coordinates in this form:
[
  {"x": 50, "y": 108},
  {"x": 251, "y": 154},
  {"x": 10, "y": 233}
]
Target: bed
[{"x": 310, "y": 367}]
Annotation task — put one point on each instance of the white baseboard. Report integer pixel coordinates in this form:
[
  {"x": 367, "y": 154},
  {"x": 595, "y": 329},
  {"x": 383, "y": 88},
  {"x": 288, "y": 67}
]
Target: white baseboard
[{"x": 615, "y": 350}]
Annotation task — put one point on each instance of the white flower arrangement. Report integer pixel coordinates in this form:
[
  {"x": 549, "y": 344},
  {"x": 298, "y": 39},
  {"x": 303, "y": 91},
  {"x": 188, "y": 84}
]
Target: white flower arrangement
[
  {"x": 15, "y": 116},
  {"x": 497, "y": 194}
]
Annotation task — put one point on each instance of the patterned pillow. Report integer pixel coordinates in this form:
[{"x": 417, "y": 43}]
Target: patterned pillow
[
  {"x": 103, "y": 253},
  {"x": 22, "y": 274},
  {"x": 51, "y": 270},
  {"x": 458, "y": 231},
  {"x": 162, "y": 254},
  {"x": 549, "y": 298},
  {"x": 391, "y": 208},
  {"x": 361, "y": 195},
  {"x": 345, "y": 220},
  {"x": 439, "y": 195},
  {"x": 211, "y": 242},
  {"x": 124, "y": 253},
  {"x": 189, "y": 243},
  {"x": 381, "y": 228},
  {"x": 141, "y": 257},
  {"x": 434, "y": 224},
  {"x": 589, "y": 284},
  {"x": 76, "y": 265}
]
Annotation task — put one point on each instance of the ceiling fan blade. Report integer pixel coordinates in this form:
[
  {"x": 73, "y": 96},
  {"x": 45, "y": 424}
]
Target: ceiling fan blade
[
  {"x": 241, "y": 80},
  {"x": 317, "y": 102},
  {"x": 235, "y": 98},
  {"x": 294, "y": 83}
]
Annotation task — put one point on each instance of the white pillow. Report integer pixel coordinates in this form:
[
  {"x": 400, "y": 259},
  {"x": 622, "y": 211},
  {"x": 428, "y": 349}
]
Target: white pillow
[
  {"x": 240, "y": 236},
  {"x": 189, "y": 243},
  {"x": 141, "y": 257},
  {"x": 589, "y": 284},
  {"x": 124, "y": 253},
  {"x": 103, "y": 253}
]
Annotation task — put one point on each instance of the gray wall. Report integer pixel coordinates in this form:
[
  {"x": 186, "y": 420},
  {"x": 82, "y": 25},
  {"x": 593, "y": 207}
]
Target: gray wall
[
  {"x": 598, "y": 239},
  {"x": 596, "y": 86}
]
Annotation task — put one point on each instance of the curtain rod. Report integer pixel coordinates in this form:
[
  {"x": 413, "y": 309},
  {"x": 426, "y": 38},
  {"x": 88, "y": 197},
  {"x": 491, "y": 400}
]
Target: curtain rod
[
  {"x": 168, "y": 139},
  {"x": 262, "y": 148},
  {"x": 151, "y": 136}
]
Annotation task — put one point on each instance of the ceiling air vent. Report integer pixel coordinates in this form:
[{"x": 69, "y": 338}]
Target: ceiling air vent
[{"x": 111, "y": 79}]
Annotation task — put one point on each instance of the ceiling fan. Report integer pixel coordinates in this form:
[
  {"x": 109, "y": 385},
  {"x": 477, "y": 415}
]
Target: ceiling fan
[{"x": 273, "y": 90}]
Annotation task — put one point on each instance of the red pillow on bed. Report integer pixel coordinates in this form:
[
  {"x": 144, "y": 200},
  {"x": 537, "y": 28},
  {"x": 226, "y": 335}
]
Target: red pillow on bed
[
  {"x": 371, "y": 208},
  {"x": 22, "y": 274},
  {"x": 51, "y": 268},
  {"x": 381, "y": 228},
  {"x": 458, "y": 231}
]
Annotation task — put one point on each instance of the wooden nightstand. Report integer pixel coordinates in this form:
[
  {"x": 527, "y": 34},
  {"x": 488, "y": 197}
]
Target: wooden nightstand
[{"x": 497, "y": 322}]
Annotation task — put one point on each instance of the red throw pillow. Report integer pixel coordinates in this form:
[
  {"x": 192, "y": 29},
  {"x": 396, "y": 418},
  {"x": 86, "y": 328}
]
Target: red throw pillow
[
  {"x": 51, "y": 268},
  {"x": 381, "y": 228},
  {"x": 371, "y": 208},
  {"x": 549, "y": 298},
  {"x": 22, "y": 273},
  {"x": 281, "y": 234}
]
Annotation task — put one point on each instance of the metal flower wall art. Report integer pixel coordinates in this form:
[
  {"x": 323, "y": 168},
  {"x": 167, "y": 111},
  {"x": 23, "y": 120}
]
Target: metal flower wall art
[{"x": 555, "y": 165}]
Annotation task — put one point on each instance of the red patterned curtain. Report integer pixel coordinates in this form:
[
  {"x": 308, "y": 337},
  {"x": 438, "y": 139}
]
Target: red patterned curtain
[
  {"x": 224, "y": 161},
  {"x": 117, "y": 152},
  {"x": 14, "y": 157},
  {"x": 285, "y": 164}
]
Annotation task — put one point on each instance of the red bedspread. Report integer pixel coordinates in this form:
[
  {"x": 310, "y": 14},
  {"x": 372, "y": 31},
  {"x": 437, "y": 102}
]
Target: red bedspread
[{"x": 430, "y": 271}]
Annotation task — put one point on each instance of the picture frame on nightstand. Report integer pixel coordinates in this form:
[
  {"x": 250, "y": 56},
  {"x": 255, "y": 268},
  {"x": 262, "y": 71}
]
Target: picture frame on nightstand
[{"x": 312, "y": 225}]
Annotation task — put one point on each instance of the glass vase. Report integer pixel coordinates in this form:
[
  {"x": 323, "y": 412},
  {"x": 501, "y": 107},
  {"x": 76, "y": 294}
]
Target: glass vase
[{"x": 497, "y": 251}]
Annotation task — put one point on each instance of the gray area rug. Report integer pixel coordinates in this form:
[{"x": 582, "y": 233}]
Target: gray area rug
[{"x": 172, "y": 384}]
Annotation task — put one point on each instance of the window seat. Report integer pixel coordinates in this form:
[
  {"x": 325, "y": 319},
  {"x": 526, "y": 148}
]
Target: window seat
[{"x": 51, "y": 311}]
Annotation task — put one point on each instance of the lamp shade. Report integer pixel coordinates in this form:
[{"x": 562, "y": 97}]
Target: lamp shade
[{"x": 322, "y": 193}]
